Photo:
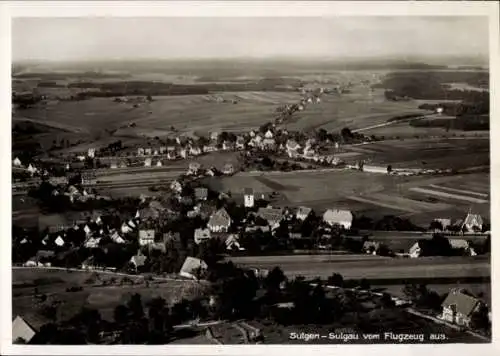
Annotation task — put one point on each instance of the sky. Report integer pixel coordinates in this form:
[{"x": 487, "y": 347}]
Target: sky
[{"x": 61, "y": 39}]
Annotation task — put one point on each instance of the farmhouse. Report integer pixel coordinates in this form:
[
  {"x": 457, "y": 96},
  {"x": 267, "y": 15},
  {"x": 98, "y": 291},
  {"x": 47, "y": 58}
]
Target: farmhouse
[
  {"x": 192, "y": 268},
  {"x": 303, "y": 212},
  {"x": 220, "y": 221},
  {"x": 116, "y": 238},
  {"x": 159, "y": 164},
  {"x": 269, "y": 143},
  {"x": 273, "y": 216},
  {"x": 176, "y": 186},
  {"x": 194, "y": 168},
  {"x": 214, "y": 136},
  {"x": 227, "y": 146},
  {"x": 232, "y": 243},
  {"x": 472, "y": 222},
  {"x": 458, "y": 307},
  {"x": 292, "y": 148},
  {"x": 148, "y": 151},
  {"x": 371, "y": 247},
  {"x": 338, "y": 217},
  {"x": 201, "y": 193},
  {"x": 140, "y": 151},
  {"x": 201, "y": 235},
  {"x": 138, "y": 260},
  {"x": 460, "y": 244},
  {"x": 17, "y": 162},
  {"x": 240, "y": 143},
  {"x": 22, "y": 332},
  {"x": 375, "y": 169},
  {"x": 269, "y": 134},
  {"x": 146, "y": 237},
  {"x": 92, "y": 242},
  {"x": 228, "y": 169},
  {"x": 248, "y": 198}
]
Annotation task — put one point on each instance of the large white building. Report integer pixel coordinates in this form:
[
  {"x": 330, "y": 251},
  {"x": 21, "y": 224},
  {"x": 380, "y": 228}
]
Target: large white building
[{"x": 338, "y": 217}]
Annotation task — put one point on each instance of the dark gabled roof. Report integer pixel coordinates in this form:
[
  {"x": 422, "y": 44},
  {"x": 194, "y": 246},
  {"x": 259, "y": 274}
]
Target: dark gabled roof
[
  {"x": 248, "y": 191},
  {"x": 464, "y": 304}
]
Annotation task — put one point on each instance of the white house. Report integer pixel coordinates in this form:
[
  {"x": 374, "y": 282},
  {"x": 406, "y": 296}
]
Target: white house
[
  {"x": 303, "y": 212},
  {"x": 148, "y": 151},
  {"x": 125, "y": 228},
  {"x": 59, "y": 241},
  {"x": 375, "y": 169},
  {"x": 458, "y": 307},
  {"x": 228, "y": 169},
  {"x": 32, "y": 169},
  {"x": 269, "y": 134},
  {"x": 21, "y": 330},
  {"x": 338, "y": 217},
  {"x": 194, "y": 168},
  {"x": 147, "y": 162},
  {"x": 192, "y": 267},
  {"x": 292, "y": 148},
  {"x": 201, "y": 235},
  {"x": 220, "y": 221},
  {"x": 473, "y": 222},
  {"x": 146, "y": 237},
  {"x": 116, "y": 238},
  {"x": 248, "y": 198},
  {"x": 176, "y": 186},
  {"x": 159, "y": 164},
  {"x": 140, "y": 151},
  {"x": 17, "y": 162},
  {"x": 92, "y": 242},
  {"x": 91, "y": 152}
]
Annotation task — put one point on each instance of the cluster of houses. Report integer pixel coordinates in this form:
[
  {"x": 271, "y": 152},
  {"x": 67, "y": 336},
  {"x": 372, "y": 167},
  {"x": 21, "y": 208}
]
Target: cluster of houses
[
  {"x": 30, "y": 168},
  {"x": 470, "y": 224}
]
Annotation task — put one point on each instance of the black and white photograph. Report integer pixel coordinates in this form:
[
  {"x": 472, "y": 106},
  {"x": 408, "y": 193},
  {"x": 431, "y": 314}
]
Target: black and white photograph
[{"x": 250, "y": 180}]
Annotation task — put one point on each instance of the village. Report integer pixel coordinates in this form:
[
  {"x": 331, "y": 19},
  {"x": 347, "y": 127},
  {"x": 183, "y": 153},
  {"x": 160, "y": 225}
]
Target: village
[{"x": 190, "y": 228}]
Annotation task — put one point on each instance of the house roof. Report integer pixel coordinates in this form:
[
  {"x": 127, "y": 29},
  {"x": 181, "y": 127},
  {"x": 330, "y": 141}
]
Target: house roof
[
  {"x": 303, "y": 210},
  {"x": 220, "y": 218},
  {"x": 138, "y": 260},
  {"x": 146, "y": 234},
  {"x": 201, "y": 234},
  {"x": 473, "y": 219},
  {"x": 465, "y": 304},
  {"x": 248, "y": 191},
  {"x": 21, "y": 329},
  {"x": 201, "y": 193},
  {"x": 271, "y": 214},
  {"x": 149, "y": 213},
  {"x": 292, "y": 144},
  {"x": 335, "y": 215},
  {"x": 191, "y": 264},
  {"x": 458, "y": 243}
]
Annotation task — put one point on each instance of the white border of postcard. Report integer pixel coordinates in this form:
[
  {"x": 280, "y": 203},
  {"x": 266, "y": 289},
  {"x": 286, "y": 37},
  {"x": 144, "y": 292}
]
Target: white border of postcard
[{"x": 9, "y": 9}]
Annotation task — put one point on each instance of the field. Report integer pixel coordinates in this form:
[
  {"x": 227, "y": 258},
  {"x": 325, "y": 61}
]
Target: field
[
  {"x": 53, "y": 284},
  {"x": 369, "y": 194},
  {"x": 202, "y": 113}
]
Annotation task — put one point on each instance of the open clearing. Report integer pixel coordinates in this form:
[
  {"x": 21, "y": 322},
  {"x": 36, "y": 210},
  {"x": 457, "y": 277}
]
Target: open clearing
[
  {"x": 368, "y": 194},
  {"x": 53, "y": 283},
  {"x": 372, "y": 267}
]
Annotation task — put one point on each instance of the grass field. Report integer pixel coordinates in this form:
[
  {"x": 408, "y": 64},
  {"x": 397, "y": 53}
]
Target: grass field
[
  {"x": 372, "y": 267},
  {"x": 53, "y": 283},
  {"x": 373, "y": 195}
]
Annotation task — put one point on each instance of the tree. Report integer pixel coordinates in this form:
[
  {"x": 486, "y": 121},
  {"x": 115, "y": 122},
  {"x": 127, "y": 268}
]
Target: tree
[
  {"x": 273, "y": 280},
  {"x": 336, "y": 279},
  {"x": 135, "y": 306},
  {"x": 480, "y": 319},
  {"x": 346, "y": 134},
  {"x": 120, "y": 314},
  {"x": 436, "y": 225}
]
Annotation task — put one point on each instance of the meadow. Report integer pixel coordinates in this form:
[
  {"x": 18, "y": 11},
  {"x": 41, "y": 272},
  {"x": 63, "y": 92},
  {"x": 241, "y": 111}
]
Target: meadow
[{"x": 100, "y": 291}]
